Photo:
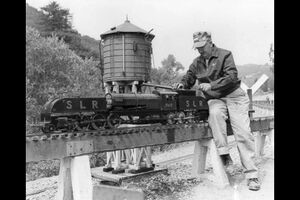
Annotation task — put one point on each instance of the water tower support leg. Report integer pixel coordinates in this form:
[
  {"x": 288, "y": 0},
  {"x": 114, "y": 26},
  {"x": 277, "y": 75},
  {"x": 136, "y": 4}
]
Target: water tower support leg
[
  {"x": 116, "y": 87},
  {"x": 107, "y": 88}
]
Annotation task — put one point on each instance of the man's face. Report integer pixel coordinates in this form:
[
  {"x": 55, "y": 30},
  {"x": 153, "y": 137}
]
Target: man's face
[{"x": 205, "y": 51}]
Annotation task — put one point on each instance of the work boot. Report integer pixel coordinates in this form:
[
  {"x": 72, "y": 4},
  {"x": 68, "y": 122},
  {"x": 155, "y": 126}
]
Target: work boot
[{"x": 253, "y": 184}]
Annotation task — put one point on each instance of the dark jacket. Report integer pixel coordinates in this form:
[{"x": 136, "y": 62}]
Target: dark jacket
[{"x": 221, "y": 73}]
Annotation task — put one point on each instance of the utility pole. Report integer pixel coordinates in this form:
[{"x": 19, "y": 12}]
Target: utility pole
[{"x": 271, "y": 56}]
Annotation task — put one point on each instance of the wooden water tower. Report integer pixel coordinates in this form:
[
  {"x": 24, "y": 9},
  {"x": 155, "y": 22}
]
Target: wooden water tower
[
  {"x": 125, "y": 54},
  {"x": 126, "y": 57}
]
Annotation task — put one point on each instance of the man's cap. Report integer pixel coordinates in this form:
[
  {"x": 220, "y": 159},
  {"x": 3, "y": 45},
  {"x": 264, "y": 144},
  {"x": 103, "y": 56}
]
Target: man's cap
[{"x": 200, "y": 38}]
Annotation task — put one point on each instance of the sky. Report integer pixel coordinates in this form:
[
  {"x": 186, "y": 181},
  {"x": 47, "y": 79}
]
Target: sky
[{"x": 245, "y": 27}]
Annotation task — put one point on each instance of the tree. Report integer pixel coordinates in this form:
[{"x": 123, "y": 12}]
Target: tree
[
  {"x": 48, "y": 62},
  {"x": 53, "y": 70},
  {"x": 55, "y": 18},
  {"x": 57, "y": 21},
  {"x": 271, "y": 80},
  {"x": 168, "y": 73},
  {"x": 33, "y": 17}
]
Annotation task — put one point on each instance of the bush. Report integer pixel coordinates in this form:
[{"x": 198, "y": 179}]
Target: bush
[
  {"x": 53, "y": 70},
  {"x": 41, "y": 169},
  {"x": 48, "y": 168}
]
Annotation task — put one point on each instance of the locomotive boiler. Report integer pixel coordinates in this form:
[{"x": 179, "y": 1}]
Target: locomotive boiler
[{"x": 114, "y": 109}]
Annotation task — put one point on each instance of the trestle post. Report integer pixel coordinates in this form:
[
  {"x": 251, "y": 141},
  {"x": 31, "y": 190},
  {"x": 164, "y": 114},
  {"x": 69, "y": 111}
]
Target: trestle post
[
  {"x": 260, "y": 139},
  {"x": 202, "y": 147},
  {"x": 75, "y": 181}
]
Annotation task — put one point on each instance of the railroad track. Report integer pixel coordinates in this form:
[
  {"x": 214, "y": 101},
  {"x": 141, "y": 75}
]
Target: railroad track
[
  {"x": 269, "y": 105},
  {"x": 122, "y": 131},
  {"x": 264, "y": 106},
  {"x": 129, "y": 129}
]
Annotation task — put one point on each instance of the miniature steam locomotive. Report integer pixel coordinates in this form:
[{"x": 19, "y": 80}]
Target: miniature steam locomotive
[{"x": 114, "y": 109}]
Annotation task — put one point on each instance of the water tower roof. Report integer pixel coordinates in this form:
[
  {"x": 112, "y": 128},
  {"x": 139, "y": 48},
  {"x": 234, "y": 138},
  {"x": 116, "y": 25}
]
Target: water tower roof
[{"x": 126, "y": 27}]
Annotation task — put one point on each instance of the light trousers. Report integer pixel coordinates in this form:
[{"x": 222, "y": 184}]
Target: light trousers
[{"x": 235, "y": 106}]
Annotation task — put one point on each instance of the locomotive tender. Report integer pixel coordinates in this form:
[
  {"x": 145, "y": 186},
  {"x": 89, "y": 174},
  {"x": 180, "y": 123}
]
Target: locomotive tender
[{"x": 113, "y": 109}]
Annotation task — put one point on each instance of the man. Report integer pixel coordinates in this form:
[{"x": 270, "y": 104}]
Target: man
[{"x": 218, "y": 80}]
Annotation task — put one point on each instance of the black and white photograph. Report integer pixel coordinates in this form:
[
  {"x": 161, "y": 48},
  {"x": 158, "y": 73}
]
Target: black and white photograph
[{"x": 150, "y": 100}]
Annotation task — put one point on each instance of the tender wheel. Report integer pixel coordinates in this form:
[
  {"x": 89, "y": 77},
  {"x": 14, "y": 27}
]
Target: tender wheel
[
  {"x": 181, "y": 117},
  {"x": 171, "y": 117},
  {"x": 114, "y": 120},
  {"x": 190, "y": 118},
  {"x": 100, "y": 123}
]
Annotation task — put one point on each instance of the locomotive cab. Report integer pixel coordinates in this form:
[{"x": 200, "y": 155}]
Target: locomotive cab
[{"x": 168, "y": 100}]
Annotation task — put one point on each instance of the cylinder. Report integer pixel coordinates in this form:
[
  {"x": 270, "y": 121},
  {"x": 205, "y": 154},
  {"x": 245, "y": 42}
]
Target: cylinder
[
  {"x": 126, "y": 52},
  {"x": 126, "y": 57}
]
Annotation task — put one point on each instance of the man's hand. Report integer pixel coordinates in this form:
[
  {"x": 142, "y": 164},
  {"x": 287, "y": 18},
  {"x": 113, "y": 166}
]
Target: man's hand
[
  {"x": 177, "y": 86},
  {"x": 204, "y": 86}
]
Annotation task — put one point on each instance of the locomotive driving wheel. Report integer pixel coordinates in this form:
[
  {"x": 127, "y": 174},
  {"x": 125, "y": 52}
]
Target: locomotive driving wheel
[
  {"x": 114, "y": 120},
  {"x": 79, "y": 126},
  {"x": 100, "y": 123}
]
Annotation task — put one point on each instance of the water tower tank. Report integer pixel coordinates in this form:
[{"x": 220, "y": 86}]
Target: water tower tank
[{"x": 126, "y": 53}]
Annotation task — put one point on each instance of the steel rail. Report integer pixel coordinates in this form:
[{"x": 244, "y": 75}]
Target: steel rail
[{"x": 266, "y": 106}]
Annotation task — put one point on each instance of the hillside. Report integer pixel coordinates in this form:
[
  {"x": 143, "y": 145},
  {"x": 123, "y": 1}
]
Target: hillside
[
  {"x": 90, "y": 43},
  {"x": 253, "y": 70},
  {"x": 33, "y": 20},
  {"x": 32, "y": 17}
]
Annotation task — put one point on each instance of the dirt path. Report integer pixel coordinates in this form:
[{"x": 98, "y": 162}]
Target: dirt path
[
  {"x": 238, "y": 190},
  {"x": 208, "y": 190}
]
